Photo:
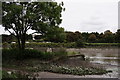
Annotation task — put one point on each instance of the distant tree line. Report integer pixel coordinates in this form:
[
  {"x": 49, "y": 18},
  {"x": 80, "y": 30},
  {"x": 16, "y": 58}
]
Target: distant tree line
[
  {"x": 59, "y": 35},
  {"x": 94, "y": 37}
]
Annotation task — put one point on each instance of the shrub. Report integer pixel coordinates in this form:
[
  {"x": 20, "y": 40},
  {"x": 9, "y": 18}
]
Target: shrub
[
  {"x": 8, "y": 54},
  {"x": 79, "y": 43},
  {"x": 5, "y": 45},
  {"x": 17, "y": 54}
]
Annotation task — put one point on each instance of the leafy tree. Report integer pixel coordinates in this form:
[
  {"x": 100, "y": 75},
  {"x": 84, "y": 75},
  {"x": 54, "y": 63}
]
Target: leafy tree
[
  {"x": 78, "y": 36},
  {"x": 108, "y": 36},
  {"x": 92, "y": 38},
  {"x": 73, "y": 36},
  {"x": 85, "y": 36},
  {"x": 100, "y": 38},
  {"x": 69, "y": 36},
  {"x": 19, "y": 17},
  {"x": 56, "y": 35},
  {"x": 117, "y": 36}
]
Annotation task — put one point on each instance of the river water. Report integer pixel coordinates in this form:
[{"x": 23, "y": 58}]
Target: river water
[{"x": 104, "y": 56}]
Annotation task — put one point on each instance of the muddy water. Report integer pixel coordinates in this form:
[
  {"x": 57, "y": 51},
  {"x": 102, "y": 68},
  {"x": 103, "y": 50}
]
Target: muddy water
[{"x": 104, "y": 56}]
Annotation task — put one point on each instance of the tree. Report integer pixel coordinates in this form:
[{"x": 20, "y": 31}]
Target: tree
[
  {"x": 108, "y": 36},
  {"x": 56, "y": 35},
  {"x": 117, "y": 36},
  {"x": 92, "y": 38},
  {"x": 0, "y": 13},
  {"x": 78, "y": 35},
  {"x": 85, "y": 36},
  {"x": 100, "y": 38},
  {"x": 69, "y": 36},
  {"x": 19, "y": 17},
  {"x": 73, "y": 36}
]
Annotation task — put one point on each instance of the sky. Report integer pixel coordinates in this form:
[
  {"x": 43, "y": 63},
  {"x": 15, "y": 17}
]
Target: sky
[{"x": 88, "y": 16}]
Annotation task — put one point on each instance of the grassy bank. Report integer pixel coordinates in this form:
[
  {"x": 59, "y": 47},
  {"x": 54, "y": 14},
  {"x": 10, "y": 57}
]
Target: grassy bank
[
  {"x": 103, "y": 44},
  {"x": 8, "y": 54},
  {"x": 32, "y": 61},
  {"x": 29, "y": 67},
  {"x": 66, "y": 45}
]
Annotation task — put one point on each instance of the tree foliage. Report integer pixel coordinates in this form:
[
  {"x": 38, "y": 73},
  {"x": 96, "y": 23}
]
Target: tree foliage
[
  {"x": 92, "y": 38},
  {"x": 108, "y": 36},
  {"x": 56, "y": 35},
  {"x": 19, "y": 17},
  {"x": 117, "y": 36},
  {"x": 73, "y": 36}
]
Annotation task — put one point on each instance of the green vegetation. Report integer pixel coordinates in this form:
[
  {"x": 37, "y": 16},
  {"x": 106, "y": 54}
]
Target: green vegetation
[
  {"x": 76, "y": 44},
  {"x": 73, "y": 40},
  {"x": 12, "y": 75},
  {"x": 34, "y": 66},
  {"x": 77, "y": 70},
  {"x": 103, "y": 44},
  {"x": 19, "y": 17},
  {"x": 68, "y": 45},
  {"x": 44, "y": 18},
  {"x": 8, "y": 54},
  {"x": 35, "y": 61}
]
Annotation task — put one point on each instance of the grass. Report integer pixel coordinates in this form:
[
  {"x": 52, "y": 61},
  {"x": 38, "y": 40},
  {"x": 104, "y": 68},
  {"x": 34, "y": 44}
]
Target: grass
[{"x": 102, "y": 44}]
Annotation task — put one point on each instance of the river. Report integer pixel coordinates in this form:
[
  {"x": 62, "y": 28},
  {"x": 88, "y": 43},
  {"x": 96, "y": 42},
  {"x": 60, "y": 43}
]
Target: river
[{"x": 104, "y": 56}]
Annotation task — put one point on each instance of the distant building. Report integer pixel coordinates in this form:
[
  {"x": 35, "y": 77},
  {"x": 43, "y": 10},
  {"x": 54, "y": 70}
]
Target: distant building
[{"x": 36, "y": 35}]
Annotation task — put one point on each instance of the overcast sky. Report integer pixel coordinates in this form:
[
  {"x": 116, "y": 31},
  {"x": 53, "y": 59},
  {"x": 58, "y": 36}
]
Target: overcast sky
[{"x": 88, "y": 15}]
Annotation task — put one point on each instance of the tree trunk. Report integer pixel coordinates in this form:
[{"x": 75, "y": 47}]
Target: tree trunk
[
  {"x": 18, "y": 41},
  {"x": 23, "y": 41}
]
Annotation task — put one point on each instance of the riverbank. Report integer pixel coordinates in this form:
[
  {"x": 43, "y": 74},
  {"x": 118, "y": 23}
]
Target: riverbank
[
  {"x": 33, "y": 68},
  {"x": 45, "y": 74},
  {"x": 58, "y": 45},
  {"x": 103, "y": 56},
  {"x": 70, "y": 66}
]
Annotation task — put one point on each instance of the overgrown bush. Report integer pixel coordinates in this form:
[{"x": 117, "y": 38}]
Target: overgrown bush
[
  {"x": 30, "y": 53},
  {"x": 80, "y": 43},
  {"x": 5, "y": 45}
]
